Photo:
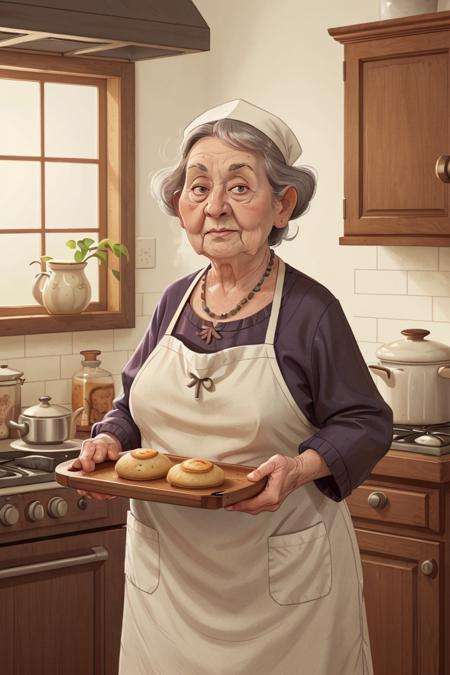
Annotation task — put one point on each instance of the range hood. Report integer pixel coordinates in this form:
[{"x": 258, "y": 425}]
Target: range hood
[{"x": 125, "y": 30}]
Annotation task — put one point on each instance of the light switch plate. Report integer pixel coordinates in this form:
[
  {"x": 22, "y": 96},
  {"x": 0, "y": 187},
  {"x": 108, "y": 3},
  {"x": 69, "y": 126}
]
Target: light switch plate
[{"x": 145, "y": 253}]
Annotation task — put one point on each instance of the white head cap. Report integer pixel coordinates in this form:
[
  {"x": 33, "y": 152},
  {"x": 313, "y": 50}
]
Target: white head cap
[{"x": 271, "y": 125}]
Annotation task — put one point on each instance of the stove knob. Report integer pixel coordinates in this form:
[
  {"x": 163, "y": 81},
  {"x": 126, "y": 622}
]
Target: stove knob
[
  {"x": 9, "y": 514},
  {"x": 35, "y": 511},
  {"x": 57, "y": 507}
]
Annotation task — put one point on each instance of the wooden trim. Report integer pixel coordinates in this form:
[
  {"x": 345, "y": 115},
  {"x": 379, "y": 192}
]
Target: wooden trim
[
  {"x": 414, "y": 466},
  {"x": 407, "y": 25},
  {"x": 116, "y": 191},
  {"x": 393, "y": 240}
]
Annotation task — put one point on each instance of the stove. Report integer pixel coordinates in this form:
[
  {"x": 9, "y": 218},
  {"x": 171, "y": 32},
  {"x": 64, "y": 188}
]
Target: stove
[
  {"x": 430, "y": 439},
  {"x": 31, "y": 465}
]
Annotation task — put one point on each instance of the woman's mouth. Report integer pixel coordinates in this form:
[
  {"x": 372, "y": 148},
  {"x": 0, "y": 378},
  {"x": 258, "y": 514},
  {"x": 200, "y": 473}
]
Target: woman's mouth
[{"x": 221, "y": 233}]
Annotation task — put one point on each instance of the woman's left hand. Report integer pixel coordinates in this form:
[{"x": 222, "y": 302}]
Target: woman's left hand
[{"x": 285, "y": 475}]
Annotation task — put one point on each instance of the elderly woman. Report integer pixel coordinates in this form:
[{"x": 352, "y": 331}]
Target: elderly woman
[{"x": 273, "y": 584}]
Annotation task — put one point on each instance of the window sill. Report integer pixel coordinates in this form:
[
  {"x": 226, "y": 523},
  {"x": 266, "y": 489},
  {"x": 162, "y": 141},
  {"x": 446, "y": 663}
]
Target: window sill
[{"x": 58, "y": 323}]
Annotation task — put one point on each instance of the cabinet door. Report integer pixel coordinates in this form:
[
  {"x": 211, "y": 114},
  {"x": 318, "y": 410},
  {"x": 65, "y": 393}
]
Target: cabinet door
[
  {"x": 402, "y": 602},
  {"x": 61, "y": 604},
  {"x": 396, "y": 127}
]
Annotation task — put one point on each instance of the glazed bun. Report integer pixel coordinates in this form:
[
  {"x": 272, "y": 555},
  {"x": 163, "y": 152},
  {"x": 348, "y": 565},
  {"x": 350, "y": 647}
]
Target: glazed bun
[
  {"x": 195, "y": 472},
  {"x": 143, "y": 464}
]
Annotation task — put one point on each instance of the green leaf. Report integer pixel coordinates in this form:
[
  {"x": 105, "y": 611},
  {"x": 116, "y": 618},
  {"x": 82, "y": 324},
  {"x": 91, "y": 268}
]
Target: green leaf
[
  {"x": 79, "y": 256},
  {"x": 104, "y": 243},
  {"x": 116, "y": 250},
  {"x": 123, "y": 250},
  {"x": 71, "y": 243},
  {"x": 101, "y": 255},
  {"x": 46, "y": 257},
  {"x": 116, "y": 273},
  {"x": 88, "y": 242}
]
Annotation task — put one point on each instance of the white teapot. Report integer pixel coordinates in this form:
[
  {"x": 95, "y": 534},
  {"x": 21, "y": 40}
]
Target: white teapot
[{"x": 63, "y": 290}]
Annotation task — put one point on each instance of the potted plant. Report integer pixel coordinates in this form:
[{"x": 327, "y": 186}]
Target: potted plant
[{"x": 66, "y": 289}]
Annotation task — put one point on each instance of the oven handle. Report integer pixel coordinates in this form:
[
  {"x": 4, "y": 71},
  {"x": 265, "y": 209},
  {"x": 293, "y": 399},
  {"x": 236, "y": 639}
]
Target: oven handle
[{"x": 98, "y": 553}]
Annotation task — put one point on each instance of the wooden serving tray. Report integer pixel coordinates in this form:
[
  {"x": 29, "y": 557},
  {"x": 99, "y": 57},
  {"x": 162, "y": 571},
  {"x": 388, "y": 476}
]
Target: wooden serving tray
[{"x": 104, "y": 478}]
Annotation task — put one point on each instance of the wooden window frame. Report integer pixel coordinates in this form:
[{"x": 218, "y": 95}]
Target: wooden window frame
[{"x": 117, "y": 203}]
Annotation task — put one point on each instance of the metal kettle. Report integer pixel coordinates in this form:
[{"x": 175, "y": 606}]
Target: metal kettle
[{"x": 46, "y": 422}]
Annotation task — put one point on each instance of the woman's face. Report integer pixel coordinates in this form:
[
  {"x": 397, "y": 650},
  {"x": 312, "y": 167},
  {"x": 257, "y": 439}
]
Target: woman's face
[{"x": 227, "y": 189}]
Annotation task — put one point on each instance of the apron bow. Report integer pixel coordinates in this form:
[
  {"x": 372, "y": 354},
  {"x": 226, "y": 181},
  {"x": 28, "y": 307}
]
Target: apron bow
[{"x": 198, "y": 382}]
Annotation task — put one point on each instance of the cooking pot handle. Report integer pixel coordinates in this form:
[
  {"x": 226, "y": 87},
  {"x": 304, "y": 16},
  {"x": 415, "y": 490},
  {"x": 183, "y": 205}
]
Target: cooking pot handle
[
  {"x": 382, "y": 371},
  {"x": 444, "y": 371},
  {"x": 73, "y": 419}
]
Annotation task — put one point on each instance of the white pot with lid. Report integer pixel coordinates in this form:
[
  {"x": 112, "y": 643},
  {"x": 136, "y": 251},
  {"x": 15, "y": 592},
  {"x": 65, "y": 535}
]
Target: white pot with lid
[{"x": 413, "y": 377}]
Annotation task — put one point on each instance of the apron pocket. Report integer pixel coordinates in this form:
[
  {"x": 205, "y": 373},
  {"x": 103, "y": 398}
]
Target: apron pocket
[
  {"x": 142, "y": 555},
  {"x": 299, "y": 565}
]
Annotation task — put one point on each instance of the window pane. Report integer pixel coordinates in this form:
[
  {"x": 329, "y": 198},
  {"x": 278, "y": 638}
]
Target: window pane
[
  {"x": 18, "y": 250},
  {"x": 19, "y": 118},
  {"x": 71, "y": 195},
  {"x": 20, "y": 194},
  {"x": 56, "y": 247},
  {"x": 71, "y": 120}
]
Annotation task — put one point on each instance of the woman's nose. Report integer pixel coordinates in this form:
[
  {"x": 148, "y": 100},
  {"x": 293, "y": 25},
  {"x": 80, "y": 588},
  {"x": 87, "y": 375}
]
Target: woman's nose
[{"x": 216, "y": 204}]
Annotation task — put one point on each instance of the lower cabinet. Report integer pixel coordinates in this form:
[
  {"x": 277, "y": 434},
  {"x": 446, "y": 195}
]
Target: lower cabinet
[
  {"x": 402, "y": 590},
  {"x": 401, "y": 516},
  {"x": 61, "y": 602}
]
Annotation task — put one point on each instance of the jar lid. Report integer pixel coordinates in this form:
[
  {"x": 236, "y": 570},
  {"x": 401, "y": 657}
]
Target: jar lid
[
  {"x": 413, "y": 348},
  {"x": 90, "y": 357},
  {"x": 46, "y": 409},
  {"x": 7, "y": 373}
]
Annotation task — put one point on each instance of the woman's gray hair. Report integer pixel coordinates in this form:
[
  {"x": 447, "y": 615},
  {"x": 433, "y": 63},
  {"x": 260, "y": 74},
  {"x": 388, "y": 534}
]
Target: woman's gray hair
[{"x": 166, "y": 182}]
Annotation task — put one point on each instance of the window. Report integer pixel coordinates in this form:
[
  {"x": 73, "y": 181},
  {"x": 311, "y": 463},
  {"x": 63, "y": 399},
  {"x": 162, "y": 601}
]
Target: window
[{"x": 66, "y": 172}]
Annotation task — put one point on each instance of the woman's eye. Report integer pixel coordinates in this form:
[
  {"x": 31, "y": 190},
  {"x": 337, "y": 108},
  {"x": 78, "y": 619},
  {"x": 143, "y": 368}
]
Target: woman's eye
[
  {"x": 239, "y": 191},
  {"x": 199, "y": 189}
]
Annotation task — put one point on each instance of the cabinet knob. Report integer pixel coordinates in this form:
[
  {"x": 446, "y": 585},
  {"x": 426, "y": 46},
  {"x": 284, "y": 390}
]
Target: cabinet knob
[
  {"x": 442, "y": 168},
  {"x": 428, "y": 567},
  {"x": 377, "y": 500},
  {"x": 9, "y": 514},
  {"x": 57, "y": 507}
]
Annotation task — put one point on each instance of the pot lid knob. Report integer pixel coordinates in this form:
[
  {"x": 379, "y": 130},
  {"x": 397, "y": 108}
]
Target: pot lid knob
[
  {"x": 45, "y": 401},
  {"x": 415, "y": 334}
]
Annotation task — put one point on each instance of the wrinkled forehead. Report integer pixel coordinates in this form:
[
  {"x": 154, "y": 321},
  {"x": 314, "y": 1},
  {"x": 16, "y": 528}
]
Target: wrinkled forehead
[{"x": 212, "y": 152}]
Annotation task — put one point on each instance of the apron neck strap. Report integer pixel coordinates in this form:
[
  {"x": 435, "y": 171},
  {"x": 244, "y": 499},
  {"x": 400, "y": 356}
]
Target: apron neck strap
[
  {"x": 183, "y": 301},
  {"x": 270, "y": 334}
]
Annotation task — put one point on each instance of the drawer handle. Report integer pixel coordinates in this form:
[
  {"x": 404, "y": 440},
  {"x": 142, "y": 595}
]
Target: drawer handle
[
  {"x": 428, "y": 567},
  {"x": 377, "y": 500},
  {"x": 97, "y": 554},
  {"x": 442, "y": 168}
]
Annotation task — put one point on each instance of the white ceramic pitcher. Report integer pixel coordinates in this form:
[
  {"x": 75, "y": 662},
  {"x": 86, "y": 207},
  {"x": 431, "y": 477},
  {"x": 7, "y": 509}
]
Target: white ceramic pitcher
[{"x": 63, "y": 290}]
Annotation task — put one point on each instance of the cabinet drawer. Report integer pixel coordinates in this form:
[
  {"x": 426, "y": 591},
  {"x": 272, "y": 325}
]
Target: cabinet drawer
[{"x": 405, "y": 506}]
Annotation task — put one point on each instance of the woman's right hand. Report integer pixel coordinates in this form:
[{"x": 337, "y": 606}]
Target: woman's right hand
[{"x": 94, "y": 451}]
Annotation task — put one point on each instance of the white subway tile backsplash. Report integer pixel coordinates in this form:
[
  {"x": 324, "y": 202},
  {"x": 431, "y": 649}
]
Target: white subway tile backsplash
[
  {"x": 129, "y": 338},
  {"x": 31, "y": 392},
  {"x": 429, "y": 283},
  {"x": 48, "y": 344},
  {"x": 60, "y": 391},
  {"x": 390, "y": 329},
  {"x": 368, "y": 350},
  {"x": 93, "y": 339},
  {"x": 364, "y": 329},
  {"x": 380, "y": 281},
  {"x": 114, "y": 361},
  {"x": 150, "y": 300},
  {"x": 392, "y": 306},
  {"x": 70, "y": 364},
  {"x": 407, "y": 258},
  {"x": 441, "y": 309},
  {"x": 38, "y": 367},
  {"x": 444, "y": 258},
  {"x": 139, "y": 299},
  {"x": 10, "y": 346}
]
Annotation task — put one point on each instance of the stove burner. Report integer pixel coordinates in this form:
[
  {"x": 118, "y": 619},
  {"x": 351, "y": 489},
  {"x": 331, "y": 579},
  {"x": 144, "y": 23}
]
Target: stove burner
[{"x": 437, "y": 435}]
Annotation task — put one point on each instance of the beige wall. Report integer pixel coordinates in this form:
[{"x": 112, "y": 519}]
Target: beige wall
[{"x": 278, "y": 55}]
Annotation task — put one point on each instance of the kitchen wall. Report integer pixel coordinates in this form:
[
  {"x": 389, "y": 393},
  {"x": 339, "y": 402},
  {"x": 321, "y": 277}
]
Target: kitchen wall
[{"x": 279, "y": 56}]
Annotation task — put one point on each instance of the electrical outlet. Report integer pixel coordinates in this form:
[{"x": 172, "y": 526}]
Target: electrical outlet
[{"x": 145, "y": 253}]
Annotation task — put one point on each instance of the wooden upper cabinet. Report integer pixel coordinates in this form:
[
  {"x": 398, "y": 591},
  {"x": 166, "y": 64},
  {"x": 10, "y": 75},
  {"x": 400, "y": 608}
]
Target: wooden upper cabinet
[{"x": 397, "y": 89}]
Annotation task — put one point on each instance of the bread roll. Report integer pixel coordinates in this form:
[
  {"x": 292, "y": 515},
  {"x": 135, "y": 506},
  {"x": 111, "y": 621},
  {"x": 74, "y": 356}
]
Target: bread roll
[
  {"x": 143, "y": 464},
  {"x": 195, "y": 472}
]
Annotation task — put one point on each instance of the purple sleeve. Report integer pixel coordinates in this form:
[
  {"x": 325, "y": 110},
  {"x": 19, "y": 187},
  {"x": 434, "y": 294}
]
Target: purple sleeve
[
  {"x": 355, "y": 421},
  {"x": 119, "y": 421}
]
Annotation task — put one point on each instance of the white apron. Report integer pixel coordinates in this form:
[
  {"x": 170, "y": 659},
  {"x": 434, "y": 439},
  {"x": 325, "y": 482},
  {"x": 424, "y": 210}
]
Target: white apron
[{"x": 216, "y": 592}]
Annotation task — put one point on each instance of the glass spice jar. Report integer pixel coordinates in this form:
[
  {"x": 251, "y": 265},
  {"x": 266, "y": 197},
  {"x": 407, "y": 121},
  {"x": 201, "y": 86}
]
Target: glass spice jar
[{"x": 92, "y": 388}]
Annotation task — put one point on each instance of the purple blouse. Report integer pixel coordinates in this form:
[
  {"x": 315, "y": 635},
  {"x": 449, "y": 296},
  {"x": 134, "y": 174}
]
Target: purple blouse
[{"x": 320, "y": 361}]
